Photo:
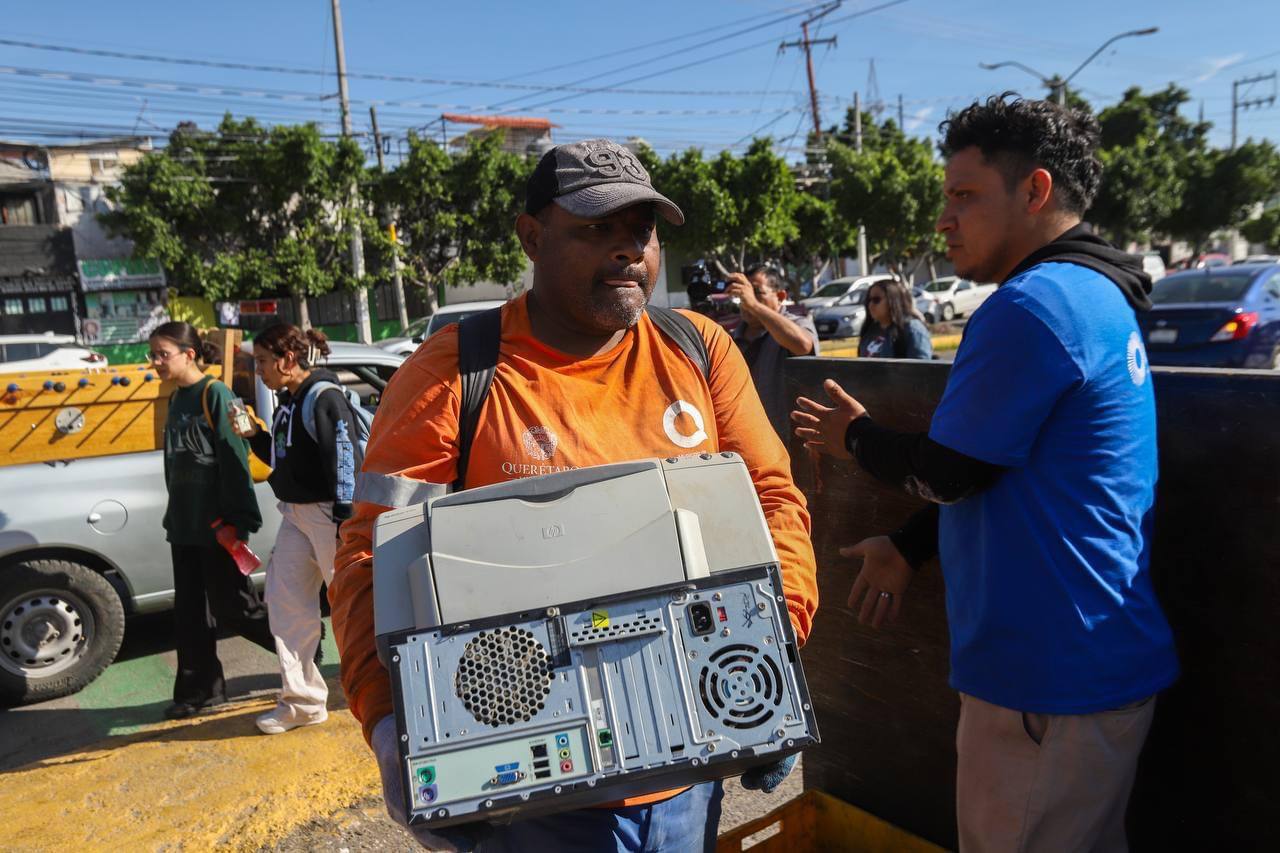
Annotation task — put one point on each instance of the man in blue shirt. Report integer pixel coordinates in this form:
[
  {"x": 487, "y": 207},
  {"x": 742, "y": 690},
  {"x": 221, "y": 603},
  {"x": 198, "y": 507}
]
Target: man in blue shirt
[{"x": 1040, "y": 469}]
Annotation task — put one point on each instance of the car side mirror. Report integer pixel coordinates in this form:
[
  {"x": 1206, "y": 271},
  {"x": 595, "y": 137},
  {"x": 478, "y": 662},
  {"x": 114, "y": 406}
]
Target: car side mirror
[{"x": 417, "y": 339}]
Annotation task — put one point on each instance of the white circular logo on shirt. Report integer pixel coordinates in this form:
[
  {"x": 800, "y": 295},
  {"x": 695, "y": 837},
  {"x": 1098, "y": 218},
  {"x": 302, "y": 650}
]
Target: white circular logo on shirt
[
  {"x": 1137, "y": 359},
  {"x": 680, "y": 407},
  {"x": 540, "y": 442}
]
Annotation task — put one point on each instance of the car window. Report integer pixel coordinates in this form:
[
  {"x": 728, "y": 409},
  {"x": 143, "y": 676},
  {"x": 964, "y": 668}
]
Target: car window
[
  {"x": 417, "y": 327},
  {"x": 21, "y": 352},
  {"x": 940, "y": 285},
  {"x": 367, "y": 380},
  {"x": 1214, "y": 287},
  {"x": 835, "y": 288},
  {"x": 1273, "y": 286},
  {"x": 964, "y": 285},
  {"x": 439, "y": 321}
]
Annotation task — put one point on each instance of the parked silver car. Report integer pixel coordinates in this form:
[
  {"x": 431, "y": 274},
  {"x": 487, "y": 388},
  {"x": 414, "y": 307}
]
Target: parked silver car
[{"x": 82, "y": 548}]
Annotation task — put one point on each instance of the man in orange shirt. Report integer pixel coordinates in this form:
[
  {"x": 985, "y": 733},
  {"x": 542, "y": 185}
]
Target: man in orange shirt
[{"x": 584, "y": 377}]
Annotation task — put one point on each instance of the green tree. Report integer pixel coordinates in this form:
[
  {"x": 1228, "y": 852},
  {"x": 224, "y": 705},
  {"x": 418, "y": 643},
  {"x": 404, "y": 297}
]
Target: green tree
[
  {"x": 1265, "y": 230},
  {"x": 1223, "y": 189},
  {"x": 244, "y": 210},
  {"x": 456, "y": 214},
  {"x": 893, "y": 187},
  {"x": 735, "y": 207}
]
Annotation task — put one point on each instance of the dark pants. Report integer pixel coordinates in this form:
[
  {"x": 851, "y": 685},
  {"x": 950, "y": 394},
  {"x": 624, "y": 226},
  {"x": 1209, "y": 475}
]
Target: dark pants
[{"x": 209, "y": 591}]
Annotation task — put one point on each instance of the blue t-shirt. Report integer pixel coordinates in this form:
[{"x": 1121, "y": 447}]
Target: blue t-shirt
[{"x": 1049, "y": 597}]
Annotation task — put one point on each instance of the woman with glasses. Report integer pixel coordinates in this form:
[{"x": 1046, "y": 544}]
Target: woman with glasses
[
  {"x": 206, "y": 470},
  {"x": 893, "y": 327}
]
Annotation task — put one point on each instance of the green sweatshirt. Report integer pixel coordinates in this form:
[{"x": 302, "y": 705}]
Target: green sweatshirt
[{"x": 205, "y": 469}]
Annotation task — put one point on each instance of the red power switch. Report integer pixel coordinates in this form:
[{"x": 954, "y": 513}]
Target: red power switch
[{"x": 724, "y": 617}]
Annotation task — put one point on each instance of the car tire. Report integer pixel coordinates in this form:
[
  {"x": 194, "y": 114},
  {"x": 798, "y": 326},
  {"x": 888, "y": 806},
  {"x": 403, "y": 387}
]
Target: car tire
[
  {"x": 947, "y": 312},
  {"x": 61, "y": 625}
]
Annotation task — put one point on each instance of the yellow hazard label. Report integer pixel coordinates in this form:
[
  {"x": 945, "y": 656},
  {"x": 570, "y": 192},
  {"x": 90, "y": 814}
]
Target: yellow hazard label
[{"x": 599, "y": 618}]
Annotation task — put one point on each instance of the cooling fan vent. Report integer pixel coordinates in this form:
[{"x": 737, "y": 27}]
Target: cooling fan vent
[
  {"x": 504, "y": 676},
  {"x": 741, "y": 686}
]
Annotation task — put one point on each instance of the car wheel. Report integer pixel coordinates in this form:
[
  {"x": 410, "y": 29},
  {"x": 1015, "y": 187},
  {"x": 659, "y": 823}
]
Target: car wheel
[
  {"x": 61, "y": 625},
  {"x": 947, "y": 311}
]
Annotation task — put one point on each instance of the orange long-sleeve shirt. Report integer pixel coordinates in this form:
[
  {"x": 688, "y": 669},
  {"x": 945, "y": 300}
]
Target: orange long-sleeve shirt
[{"x": 548, "y": 411}]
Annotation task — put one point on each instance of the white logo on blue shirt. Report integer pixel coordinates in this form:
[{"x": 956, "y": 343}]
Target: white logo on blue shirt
[{"x": 1137, "y": 360}]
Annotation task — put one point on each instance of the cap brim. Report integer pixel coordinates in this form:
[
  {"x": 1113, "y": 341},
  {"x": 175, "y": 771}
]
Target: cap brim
[{"x": 603, "y": 199}]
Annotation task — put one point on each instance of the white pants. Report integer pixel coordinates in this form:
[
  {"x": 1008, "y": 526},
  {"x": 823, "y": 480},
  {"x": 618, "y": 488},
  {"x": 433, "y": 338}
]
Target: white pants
[{"x": 301, "y": 560}]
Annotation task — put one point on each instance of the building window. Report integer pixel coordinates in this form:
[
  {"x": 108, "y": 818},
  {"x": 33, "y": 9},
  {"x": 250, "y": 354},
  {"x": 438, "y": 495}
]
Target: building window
[
  {"x": 18, "y": 210},
  {"x": 59, "y": 303},
  {"x": 37, "y": 305},
  {"x": 13, "y": 307}
]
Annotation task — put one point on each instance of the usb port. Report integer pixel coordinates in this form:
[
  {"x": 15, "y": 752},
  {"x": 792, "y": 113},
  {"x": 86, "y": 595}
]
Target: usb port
[
  {"x": 542, "y": 765},
  {"x": 542, "y": 774}
]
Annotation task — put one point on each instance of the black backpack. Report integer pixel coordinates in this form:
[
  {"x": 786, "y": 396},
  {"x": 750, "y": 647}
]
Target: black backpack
[{"x": 478, "y": 339}]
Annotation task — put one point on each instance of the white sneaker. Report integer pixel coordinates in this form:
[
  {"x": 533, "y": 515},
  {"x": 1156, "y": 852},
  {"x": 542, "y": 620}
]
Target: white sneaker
[{"x": 280, "y": 719}]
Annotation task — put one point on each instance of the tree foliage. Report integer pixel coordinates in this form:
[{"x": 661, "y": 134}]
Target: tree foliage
[
  {"x": 243, "y": 210},
  {"x": 456, "y": 214},
  {"x": 1265, "y": 230},
  {"x": 893, "y": 187}
]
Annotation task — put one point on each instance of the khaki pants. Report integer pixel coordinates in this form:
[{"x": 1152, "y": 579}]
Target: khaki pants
[
  {"x": 1046, "y": 782},
  {"x": 301, "y": 560}
]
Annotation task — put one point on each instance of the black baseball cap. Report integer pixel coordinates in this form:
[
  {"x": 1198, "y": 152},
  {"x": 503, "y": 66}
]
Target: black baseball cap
[{"x": 594, "y": 178}]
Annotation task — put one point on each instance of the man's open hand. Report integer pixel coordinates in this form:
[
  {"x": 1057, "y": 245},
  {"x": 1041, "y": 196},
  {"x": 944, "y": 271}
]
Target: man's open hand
[
  {"x": 877, "y": 591},
  {"x": 823, "y": 427}
]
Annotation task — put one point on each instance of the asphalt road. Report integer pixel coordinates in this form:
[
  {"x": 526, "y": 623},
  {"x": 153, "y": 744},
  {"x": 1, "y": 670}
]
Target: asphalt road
[{"x": 104, "y": 770}]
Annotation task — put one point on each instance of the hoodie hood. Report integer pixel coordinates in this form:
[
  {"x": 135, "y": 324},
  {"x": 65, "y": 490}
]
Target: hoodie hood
[
  {"x": 318, "y": 374},
  {"x": 1082, "y": 247}
]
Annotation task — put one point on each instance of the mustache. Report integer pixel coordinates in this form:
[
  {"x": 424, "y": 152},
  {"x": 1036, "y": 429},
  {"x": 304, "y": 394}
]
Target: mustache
[{"x": 638, "y": 273}]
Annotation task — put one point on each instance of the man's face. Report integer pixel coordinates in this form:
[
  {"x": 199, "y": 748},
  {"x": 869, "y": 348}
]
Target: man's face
[
  {"x": 982, "y": 219},
  {"x": 765, "y": 294},
  {"x": 594, "y": 274}
]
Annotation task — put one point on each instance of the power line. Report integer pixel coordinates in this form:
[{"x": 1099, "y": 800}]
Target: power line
[
  {"x": 386, "y": 78},
  {"x": 712, "y": 58}
]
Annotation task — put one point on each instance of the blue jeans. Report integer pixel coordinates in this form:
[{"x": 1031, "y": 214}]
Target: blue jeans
[{"x": 686, "y": 823}]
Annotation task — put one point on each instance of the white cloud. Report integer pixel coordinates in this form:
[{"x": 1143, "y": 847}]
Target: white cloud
[
  {"x": 917, "y": 118},
  {"x": 1213, "y": 66}
]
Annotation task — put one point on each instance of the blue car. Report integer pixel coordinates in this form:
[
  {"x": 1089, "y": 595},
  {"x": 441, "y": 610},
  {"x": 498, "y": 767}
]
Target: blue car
[{"x": 1215, "y": 317}]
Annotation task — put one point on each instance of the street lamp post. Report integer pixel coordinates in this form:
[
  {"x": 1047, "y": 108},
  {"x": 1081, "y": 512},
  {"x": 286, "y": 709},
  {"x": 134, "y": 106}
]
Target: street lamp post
[{"x": 1058, "y": 85}]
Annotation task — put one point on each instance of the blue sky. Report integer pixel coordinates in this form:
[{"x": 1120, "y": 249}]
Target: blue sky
[{"x": 927, "y": 51}]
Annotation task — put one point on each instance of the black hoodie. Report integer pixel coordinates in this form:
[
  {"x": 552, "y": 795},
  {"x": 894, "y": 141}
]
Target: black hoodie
[
  {"x": 305, "y": 469},
  {"x": 1082, "y": 247}
]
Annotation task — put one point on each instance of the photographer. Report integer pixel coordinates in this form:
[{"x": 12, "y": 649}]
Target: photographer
[{"x": 768, "y": 336}]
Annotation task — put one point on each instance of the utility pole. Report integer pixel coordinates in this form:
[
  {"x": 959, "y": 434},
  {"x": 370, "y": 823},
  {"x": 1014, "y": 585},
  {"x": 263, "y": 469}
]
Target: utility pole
[
  {"x": 364, "y": 330},
  {"x": 902, "y": 125},
  {"x": 857, "y": 143},
  {"x": 397, "y": 282},
  {"x": 807, "y": 43},
  {"x": 1238, "y": 103}
]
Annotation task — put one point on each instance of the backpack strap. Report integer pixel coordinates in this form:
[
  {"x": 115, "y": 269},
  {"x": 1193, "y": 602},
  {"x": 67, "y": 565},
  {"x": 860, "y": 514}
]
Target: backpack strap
[
  {"x": 680, "y": 329},
  {"x": 204, "y": 404},
  {"x": 478, "y": 339},
  {"x": 309, "y": 403}
]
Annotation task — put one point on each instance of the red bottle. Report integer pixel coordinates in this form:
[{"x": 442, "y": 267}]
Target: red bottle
[{"x": 246, "y": 561}]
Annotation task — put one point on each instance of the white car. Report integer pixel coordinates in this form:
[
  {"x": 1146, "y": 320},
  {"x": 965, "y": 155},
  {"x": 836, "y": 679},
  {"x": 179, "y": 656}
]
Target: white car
[
  {"x": 833, "y": 291},
  {"x": 955, "y": 297},
  {"x": 32, "y": 353},
  {"x": 419, "y": 330}
]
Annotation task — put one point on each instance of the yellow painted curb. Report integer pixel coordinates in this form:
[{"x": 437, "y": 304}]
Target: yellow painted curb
[
  {"x": 848, "y": 347},
  {"x": 214, "y": 781}
]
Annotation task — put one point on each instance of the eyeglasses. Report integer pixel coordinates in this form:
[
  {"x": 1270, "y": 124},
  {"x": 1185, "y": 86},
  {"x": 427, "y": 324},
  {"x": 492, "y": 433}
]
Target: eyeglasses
[{"x": 162, "y": 355}]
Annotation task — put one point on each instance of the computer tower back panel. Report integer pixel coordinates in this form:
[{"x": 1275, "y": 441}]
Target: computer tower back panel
[{"x": 594, "y": 701}]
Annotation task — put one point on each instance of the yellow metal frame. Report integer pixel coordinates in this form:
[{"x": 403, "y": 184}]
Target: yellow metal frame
[
  {"x": 123, "y": 408},
  {"x": 818, "y": 821}
]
